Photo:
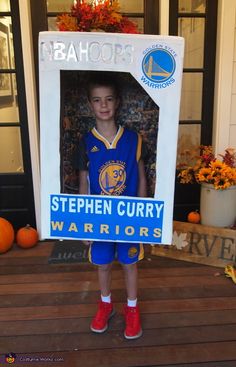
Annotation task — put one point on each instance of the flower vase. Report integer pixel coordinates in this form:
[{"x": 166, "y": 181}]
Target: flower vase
[{"x": 218, "y": 207}]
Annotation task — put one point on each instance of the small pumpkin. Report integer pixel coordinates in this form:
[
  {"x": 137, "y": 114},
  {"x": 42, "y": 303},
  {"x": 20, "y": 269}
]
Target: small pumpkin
[
  {"x": 27, "y": 237},
  {"x": 194, "y": 217},
  {"x": 6, "y": 235}
]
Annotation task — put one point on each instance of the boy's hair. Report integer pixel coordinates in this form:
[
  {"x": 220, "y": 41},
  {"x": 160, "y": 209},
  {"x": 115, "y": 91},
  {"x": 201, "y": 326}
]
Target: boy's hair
[{"x": 102, "y": 79}]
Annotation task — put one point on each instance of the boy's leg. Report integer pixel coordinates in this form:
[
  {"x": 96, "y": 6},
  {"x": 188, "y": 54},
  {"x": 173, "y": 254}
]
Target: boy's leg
[
  {"x": 131, "y": 280},
  {"x": 100, "y": 253},
  {"x": 104, "y": 278},
  {"x": 128, "y": 255},
  {"x": 133, "y": 329}
]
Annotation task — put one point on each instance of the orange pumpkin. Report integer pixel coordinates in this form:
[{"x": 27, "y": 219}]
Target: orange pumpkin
[
  {"x": 6, "y": 235},
  {"x": 27, "y": 237},
  {"x": 194, "y": 217}
]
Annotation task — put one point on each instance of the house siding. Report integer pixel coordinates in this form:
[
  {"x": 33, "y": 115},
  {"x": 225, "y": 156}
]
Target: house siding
[{"x": 232, "y": 127}]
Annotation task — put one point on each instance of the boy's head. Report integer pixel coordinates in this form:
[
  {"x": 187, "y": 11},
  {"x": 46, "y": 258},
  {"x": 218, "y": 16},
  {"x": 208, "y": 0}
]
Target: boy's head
[
  {"x": 102, "y": 79},
  {"x": 103, "y": 96}
]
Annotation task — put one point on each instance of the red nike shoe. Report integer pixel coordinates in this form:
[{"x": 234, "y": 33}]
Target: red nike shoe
[
  {"x": 100, "y": 321},
  {"x": 133, "y": 328}
]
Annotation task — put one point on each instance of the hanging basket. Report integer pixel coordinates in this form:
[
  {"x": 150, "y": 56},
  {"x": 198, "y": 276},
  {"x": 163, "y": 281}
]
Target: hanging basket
[{"x": 218, "y": 207}]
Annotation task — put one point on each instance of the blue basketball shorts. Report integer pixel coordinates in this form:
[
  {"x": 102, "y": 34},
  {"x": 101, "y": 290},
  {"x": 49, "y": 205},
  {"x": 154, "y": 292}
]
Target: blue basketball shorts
[{"x": 102, "y": 253}]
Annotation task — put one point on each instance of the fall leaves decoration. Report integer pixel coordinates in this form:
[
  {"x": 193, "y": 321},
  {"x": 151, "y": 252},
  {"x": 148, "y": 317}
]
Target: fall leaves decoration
[{"x": 91, "y": 16}]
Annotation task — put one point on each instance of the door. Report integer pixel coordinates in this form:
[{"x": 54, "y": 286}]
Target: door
[
  {"x": 16, "y": 187},
  {"x": 196, "y": 21}
]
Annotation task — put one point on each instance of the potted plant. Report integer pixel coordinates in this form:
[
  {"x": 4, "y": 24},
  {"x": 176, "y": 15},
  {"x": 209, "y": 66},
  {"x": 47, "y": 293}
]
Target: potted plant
[{"x": 217, "y": 177}]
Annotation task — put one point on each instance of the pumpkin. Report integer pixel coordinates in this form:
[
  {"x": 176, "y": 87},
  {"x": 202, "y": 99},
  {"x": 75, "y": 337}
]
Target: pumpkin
[
  {"x": 27, "y": 237},
  {"x": 6, "y": 235},
  {"x": 194, "y": 217}
]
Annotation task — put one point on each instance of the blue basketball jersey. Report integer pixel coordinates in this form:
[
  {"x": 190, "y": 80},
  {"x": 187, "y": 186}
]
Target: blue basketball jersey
[{"x": 113, "y": 168}]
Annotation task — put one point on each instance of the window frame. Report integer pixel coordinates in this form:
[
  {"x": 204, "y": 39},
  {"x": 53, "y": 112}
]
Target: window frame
[{"x": 208, "y": 69}]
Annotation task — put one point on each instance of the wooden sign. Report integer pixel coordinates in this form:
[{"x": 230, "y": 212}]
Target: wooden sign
[{"x": 196, "y": 243}]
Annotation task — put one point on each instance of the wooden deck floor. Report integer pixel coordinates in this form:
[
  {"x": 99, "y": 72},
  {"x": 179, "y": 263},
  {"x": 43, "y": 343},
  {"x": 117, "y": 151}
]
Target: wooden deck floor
[{"x": 188, "y": 314}]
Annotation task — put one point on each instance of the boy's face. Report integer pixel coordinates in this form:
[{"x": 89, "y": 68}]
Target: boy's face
[{"x": 103, "y": 103}]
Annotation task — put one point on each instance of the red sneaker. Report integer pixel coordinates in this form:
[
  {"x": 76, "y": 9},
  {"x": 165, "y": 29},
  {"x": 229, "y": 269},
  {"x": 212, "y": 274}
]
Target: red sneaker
[
  {"x": 133, "y": 328},
  {"x": 100, "y": 321}
]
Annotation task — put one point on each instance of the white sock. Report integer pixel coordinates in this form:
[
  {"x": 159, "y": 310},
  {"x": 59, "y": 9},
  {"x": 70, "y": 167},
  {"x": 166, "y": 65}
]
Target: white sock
[
  {"x": 106, "y": 299},
  {"x": 132, "y": 302}
]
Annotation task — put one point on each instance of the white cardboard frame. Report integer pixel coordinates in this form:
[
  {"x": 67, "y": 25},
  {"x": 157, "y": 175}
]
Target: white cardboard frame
[{"x": 110, "y": 52}]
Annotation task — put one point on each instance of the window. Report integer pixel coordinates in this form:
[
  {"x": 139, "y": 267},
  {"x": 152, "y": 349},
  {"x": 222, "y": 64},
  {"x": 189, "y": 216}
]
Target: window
[
  {"x": 16, "y": 186},
  {"x": 195, "y": 20},
  {"x": 10, "y": 128}
]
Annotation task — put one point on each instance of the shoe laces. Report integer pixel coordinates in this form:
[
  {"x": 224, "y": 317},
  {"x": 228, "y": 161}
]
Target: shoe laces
[
  {"x": 104, "y": 310},
  {"x": 131, "y": 315}
]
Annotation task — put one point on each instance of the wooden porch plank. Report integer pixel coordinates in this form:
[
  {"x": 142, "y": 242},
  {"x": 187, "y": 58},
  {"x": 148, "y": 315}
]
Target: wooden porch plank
[
  {"x": 34, "y": 265},
  {"x": 17, "y": 256},
  {"x": 87, "y": 310},
  {"x": 116, "y": 274},
  {"x": 148, "y": 356},
  {"x": 115, "y": 339},
  {"x": 207, "y": 364},
  {"x": 78, "y": 285},
  {"x": 118, "y": 295},
  {"x": 45, "y": 268},
  {"x": 21, "y": 261},
  {"x": 41, "y": 249},
  {"x": 149, "y": 321}
]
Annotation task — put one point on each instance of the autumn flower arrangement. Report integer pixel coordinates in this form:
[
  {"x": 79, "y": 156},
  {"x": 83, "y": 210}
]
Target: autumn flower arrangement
[
  {"x": 207, "y": 168},
  {"x": 87, "y": 16}
]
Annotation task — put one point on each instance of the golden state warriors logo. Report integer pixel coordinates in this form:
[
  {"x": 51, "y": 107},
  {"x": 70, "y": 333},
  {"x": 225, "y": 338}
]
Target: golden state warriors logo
[
  {"x": 132, "y": 252},
  {"x": 112, "y": 178},
  {"x": 158, "y": 67}
]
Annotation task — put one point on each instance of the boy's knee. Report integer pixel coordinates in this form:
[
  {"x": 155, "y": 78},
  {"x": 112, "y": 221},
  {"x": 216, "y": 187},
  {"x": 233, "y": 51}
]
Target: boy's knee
[
  {"x": 129, "y": 267},
  {"x": 105, "y": 267}
]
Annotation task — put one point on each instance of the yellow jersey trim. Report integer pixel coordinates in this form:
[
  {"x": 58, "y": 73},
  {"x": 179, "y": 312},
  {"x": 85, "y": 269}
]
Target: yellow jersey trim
[
  {"x": 117, "y": 137},
  {"x": 100, "y": 137},
  {"x": 105, "y": 141},
  {"x": 141, "y": 252}
]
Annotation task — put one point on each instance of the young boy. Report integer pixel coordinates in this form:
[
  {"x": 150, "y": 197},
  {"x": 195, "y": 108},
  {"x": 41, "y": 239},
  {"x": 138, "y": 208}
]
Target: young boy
[{"x": 109, "y": 161}]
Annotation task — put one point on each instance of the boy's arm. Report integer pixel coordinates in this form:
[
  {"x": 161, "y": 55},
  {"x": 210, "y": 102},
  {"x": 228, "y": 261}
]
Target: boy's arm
[
  {"x": 80, "y": 163},
  {"x": 142, "y": 184},
  {"x": 83, "y": 190},
  {"x": 83, "y": 182}
]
